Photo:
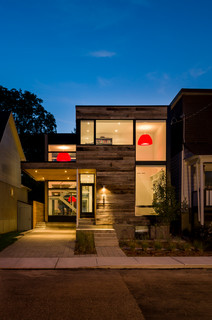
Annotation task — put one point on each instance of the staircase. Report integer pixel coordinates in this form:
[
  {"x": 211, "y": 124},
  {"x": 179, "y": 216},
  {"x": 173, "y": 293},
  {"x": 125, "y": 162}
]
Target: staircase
[
  {"x": 106, "y": 238},
  {"x": 86, "y": 223},
  {"x": 40, "y": 225}
]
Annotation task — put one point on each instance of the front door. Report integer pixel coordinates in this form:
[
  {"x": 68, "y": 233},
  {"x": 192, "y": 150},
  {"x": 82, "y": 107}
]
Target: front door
[{"x": 86, "y": 200}]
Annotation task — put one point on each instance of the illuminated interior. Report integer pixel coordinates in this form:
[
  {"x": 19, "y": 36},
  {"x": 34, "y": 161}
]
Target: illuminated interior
[
  {"x": 115, "y": 132},
  {"x": 59, "y": 152},
  {"x": 87, "y": 132},
  {"x": 157, "y": 131},
  {"x": 145, "y": 177},
  {"x": 62, "y": 197}
]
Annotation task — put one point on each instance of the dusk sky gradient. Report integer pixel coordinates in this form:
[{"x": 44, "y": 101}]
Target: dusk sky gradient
[{"x": 72, "y": 52}]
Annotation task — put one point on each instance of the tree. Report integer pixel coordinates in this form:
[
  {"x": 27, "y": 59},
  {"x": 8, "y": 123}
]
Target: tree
[
  {"x": 164, "y": 201},
  {"x": 29, "y": 114}
]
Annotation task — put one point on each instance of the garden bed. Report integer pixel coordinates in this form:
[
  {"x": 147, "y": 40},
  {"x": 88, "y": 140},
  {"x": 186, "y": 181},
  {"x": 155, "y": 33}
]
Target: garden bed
[
  {"x": 84, "y": 243},
  {"x": 163, "y": 248}
]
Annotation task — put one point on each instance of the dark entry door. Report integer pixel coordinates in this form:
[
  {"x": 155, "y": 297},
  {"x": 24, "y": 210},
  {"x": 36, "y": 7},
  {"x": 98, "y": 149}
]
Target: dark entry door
[{"x": 87, "y": 200}]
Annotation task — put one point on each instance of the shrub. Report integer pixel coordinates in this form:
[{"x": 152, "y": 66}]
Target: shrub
[
  {"x": 185, "y": 246},
  {"x": 158, "y": 245},
  {"x": 85, "y": 243},
  {"x": 164, "y": 201},
  {"x": 198, "y": 245},
  {"x": 171, "y": 246},
  {"x": 144, "y": 245}
]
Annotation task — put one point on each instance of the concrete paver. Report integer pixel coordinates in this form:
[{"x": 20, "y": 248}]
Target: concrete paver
[
  {"x": 66, "y": 263},
  {"x": 106, "y": 262},
  {"x": 43, "y": 243},
  {"x": 54, "y": 249}
]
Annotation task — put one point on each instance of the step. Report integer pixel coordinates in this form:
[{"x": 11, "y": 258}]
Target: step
[
  {"x": 40, "y": 225},
  {"x": 106, "y": 238}
]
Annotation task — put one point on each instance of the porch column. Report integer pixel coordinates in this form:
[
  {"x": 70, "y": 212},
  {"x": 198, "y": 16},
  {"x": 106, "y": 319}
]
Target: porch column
[
  {"x": 198, "y": 197},
  {"x": 201, "y": 194},
  {"x": 77, "y": 216}
]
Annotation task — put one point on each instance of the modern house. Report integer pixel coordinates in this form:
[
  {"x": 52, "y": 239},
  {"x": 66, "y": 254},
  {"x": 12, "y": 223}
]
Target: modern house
[
  {"x": 13, "y": 196},
  {"x": 191, "y": 153},
  {"x": 104, "y": 173}
]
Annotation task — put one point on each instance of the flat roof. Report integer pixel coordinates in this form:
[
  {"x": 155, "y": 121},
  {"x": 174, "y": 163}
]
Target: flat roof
[{"x": 186, "y": 91}]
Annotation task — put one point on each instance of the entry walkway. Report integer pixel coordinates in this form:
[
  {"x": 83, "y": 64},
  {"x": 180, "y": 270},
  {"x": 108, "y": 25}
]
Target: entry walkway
[{"x": 43, "y": 243}]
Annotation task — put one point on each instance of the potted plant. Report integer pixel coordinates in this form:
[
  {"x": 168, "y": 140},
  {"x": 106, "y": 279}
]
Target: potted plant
[{"x": 165, "y": 205}]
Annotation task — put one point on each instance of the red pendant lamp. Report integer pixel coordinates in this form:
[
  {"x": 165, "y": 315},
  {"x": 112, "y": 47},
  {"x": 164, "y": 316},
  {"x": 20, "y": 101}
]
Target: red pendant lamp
[
  {"x": 72, "y": 198},
  {"x": 145, "y": 140},
  {"x": 63, "y": 156}
]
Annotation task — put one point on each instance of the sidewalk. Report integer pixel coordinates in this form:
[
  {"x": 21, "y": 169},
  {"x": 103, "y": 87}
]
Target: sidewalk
[{"x": 107, "y": 263}]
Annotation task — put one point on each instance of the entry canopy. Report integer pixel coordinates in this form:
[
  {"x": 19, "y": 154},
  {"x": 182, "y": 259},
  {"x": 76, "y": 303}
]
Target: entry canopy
[{"x": 54, "y": 171}]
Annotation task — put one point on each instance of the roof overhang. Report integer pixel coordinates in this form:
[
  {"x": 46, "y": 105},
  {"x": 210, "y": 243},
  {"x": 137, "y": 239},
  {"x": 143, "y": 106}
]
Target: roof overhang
[
  {"x": 205, "y": 159},
  {"x": 42, "y": 171},
  {"x": 190, "y": 92}
]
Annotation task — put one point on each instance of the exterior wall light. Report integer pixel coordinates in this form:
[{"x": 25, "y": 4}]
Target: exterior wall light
[
  {"x": 145, "y": 140},
  {"x": 103, "y": 195}
]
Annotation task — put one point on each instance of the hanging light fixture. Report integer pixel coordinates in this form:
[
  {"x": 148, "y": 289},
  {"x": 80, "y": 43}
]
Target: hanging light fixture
[
  {"x": 145, "y": 140},
  {"x": 63, "y": 156},
  {"x": 72, "y": 198}
]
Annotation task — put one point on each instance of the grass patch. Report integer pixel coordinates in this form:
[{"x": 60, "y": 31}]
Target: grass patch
[
  {"x": 158, "y": 245},
  {"x": 85, "y": 243},
  {"x": 6, "y": 239}
]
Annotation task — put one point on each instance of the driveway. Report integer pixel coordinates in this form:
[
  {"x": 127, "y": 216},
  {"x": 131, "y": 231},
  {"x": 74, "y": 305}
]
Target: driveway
[{"x": 41, "y": 243}]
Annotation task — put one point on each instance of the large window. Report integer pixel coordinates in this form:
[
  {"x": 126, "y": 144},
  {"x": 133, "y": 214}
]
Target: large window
[
  {"x": 151, "y": 140},
  {"x": 62, "y": 198},
  {"x": 87, "y": 132},
  {"x": 115, "y": 132},
  {"x": 59, "y": 152},
  {"x": 145, "y": 177}
]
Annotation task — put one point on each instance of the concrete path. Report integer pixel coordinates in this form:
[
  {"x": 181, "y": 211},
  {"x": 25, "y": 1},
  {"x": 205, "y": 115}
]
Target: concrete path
[
  {"x": 43, "y": 243},
  {"x": 107, "y": 263},
  {"x": 107, "y": 244},
  {"x": 54, "y": 249}
]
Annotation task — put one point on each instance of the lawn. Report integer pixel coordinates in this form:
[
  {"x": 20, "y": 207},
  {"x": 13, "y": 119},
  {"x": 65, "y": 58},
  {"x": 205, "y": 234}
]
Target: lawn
[{"x": 6, "y": 239}]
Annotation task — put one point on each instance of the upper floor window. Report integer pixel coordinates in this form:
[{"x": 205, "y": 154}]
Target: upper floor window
[
  {"x": 87, "y": 132},
  {"x": 151, "y": 140},
  {"x": 114, "y": 132},
  {"x": 61, "y": 153}
]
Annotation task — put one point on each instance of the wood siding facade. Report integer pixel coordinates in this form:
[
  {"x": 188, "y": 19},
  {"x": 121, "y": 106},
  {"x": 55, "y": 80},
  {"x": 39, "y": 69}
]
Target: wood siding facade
[{"x": 114, "y": 164}]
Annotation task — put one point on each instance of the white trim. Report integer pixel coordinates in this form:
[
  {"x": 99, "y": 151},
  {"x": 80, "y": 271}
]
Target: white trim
[
  {"x": 198, "y": 198},
  {"x": 77, "y": 207},
  {"x": 201, "y": 194}
]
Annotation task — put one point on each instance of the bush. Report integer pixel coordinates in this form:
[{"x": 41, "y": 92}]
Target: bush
[
  {"x": 158, "y": 245},
  {"x": 85, "y": 243},
  {"x": 171, "y": 246},
  {"x": 144, "y": 245},
  {"x": 164, "y": 202},
  {"x": 198, "y": 245}
]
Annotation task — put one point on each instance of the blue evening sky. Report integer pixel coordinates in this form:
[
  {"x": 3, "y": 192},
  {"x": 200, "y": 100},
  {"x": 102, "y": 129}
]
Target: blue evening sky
[{"x": 71, "y": 52}]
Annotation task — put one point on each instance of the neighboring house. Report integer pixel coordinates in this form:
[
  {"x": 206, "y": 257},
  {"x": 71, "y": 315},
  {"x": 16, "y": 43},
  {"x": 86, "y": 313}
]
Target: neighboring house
[
  {"x": 191, "y": 153},
  {"x": 105, "y": 172},
  {"x": 11, "y": 190}
]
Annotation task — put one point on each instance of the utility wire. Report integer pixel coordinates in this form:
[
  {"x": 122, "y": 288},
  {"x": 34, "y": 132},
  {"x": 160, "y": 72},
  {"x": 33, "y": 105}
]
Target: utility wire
[{"x": 174, "y": 120}]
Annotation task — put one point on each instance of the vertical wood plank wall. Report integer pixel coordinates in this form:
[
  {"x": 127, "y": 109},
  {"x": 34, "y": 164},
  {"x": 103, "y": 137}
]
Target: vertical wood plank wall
[{"x": 115, "y": 165}]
